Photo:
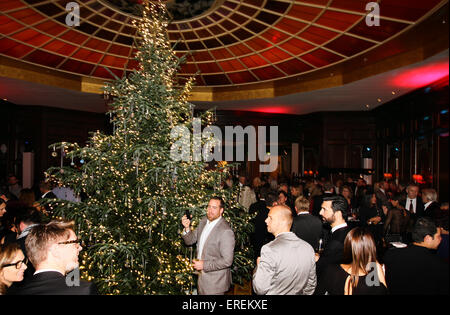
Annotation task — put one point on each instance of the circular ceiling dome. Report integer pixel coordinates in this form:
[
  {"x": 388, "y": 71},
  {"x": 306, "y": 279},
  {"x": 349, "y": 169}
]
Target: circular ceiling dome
[
  {"x": 230, "y": 45},
  {"x": 178, "y": 9}
]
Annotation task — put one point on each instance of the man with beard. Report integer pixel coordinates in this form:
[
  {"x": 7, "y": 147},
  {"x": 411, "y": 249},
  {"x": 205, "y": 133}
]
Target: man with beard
[
  {"x": 215, "y": 249},
  {"x": 334, "y": 209},
  {"x": 53, "y": 250}
]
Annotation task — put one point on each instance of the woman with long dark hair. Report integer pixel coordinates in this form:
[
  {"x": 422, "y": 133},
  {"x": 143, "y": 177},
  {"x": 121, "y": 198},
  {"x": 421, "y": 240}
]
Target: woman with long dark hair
[{"x": 359, "y": 273}]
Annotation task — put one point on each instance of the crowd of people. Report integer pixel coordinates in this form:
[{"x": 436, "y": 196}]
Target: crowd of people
[
  {"x": 310, "y": 237},
  {"x": 394, "y": 233}
]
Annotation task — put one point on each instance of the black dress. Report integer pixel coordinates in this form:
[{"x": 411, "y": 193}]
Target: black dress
[{"x": 333, "y": 283}]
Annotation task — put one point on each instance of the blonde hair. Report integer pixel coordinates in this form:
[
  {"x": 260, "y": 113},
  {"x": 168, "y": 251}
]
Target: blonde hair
[
  {"x": 430, "y": 194},
  {"x": 7, "y": 254},
  {"x": 43, "y": 236},
  {"x": 302, "y": 204}
]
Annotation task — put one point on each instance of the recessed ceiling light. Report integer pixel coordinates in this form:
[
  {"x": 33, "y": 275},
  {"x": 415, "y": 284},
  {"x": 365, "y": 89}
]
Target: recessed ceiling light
[
  {"x": 379, "y": 100},
  {"x": 393, "y": 92}
]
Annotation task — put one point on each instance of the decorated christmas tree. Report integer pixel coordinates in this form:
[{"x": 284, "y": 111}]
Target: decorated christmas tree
[{"x": 133, "y": 191}]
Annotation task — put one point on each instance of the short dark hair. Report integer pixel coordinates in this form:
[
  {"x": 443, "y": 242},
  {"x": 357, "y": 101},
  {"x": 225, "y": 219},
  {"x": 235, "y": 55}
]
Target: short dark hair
[
  {"x": 222, "y": 203},
  {"x": 28, "y": 216},
  {"x": 338, "y": 203},
  {"x": 398, "y": 197},
  {"x": 423, "y": 227},
  {"x": 282, "y": 192},
  {"x": 328, "y": 186},
  {"x": 263, "y": 191},
  {"x": 271, "y": 198}
]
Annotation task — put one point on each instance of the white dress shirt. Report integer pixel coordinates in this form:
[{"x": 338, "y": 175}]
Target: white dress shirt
[
  {"x": 205, "y": 233},
  {"x": 414, "y": 202}
]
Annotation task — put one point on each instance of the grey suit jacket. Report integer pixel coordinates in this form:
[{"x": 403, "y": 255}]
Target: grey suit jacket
[
  {"x": 218, "y": 254},
  {"x": 287, "y": 267}
]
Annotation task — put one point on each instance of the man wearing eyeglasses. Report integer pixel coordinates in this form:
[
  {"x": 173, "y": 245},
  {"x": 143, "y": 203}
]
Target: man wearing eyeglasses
[{"x": 53, "y": 249}]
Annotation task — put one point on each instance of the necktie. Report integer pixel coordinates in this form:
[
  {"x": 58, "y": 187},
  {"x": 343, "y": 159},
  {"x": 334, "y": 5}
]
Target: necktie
[{"x": 411, "y": 208}]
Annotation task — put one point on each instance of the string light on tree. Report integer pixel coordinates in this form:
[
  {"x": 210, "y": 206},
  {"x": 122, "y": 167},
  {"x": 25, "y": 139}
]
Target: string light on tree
[{"x": 135, "y": 194}]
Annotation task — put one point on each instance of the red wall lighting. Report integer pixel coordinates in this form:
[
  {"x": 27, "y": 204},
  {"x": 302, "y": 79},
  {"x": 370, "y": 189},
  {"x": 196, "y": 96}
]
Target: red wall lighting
[{"x": 419, "y": 77}]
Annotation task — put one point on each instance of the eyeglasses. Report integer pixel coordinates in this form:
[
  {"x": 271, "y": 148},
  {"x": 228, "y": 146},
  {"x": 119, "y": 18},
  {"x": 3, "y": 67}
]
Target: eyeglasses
[
  {"x": 17, "y": 264},
  {"x": 77, "y": 241}
]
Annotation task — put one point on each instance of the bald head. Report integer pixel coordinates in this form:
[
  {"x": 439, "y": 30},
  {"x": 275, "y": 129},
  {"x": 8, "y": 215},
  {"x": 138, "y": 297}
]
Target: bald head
[{"x": 279, "y": 220}]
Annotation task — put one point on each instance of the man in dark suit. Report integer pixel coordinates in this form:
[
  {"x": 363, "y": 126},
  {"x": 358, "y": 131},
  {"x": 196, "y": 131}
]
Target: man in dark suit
[
  {"x": 328, "y": 188},
  {"x": 431, "y": 207},
  {"x": 306, "y": 226},
  {"x": 44, "y": 188},
  {"x": 26, "y": 219},
  {"x": 261, "y": 203},
  {"x": 53, "y": 249},
  {"x": 215, "y": 249},
  {"x": 382, "y": 194},
  {"x": 360, "y": 191},
  {"x": 333, "y": 211},
  {"x": 416, "y": 269},
  {"x": 261, "y": 236},
  {"x": 412, "y": 203},
  {"x": 46, "y": 194}
]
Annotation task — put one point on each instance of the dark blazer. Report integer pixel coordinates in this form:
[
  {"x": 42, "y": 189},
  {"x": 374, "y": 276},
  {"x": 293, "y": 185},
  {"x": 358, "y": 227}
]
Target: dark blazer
[
  {"x": 415, "y": 270},
  {"x": 308, "y": 228},
  {"x": 260, "y": 236},
  {"x": 49, "y": 207},
  {"x": 333, "y": 251},
  {"x": 257, "y": 206},
  {"x": 50, "y": 195},
  {"x": 382, "y": 198},
  {"x": 317, "y": 203},
  {"x": 432, "y": 211},
  {"x": 53, "y": 283},
  {"x": 420, "y": 208}
]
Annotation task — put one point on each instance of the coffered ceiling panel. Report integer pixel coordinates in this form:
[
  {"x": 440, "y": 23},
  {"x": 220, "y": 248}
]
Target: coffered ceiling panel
[{"x": 230, "y": 43}]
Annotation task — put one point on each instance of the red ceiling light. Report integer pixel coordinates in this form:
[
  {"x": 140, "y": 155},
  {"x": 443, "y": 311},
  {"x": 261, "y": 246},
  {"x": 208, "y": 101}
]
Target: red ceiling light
[{"x": 422, "y": 76}]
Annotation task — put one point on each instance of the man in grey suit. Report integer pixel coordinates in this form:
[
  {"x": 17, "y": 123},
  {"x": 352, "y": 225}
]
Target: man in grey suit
[
  {"x": 215, "y": 249},
  {"x": 287, "y": 264}
]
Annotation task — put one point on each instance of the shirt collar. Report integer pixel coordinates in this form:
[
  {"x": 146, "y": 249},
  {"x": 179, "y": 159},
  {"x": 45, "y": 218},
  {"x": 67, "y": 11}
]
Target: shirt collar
[
  {"x": 282, "y": 233},
  {"x": 338, "y": 227},
  {"x": 47, "y": 270},
  {"x": 427, "y": 204},
  {"x": 27, "y": 230},
  {"x": 303, "y": 212},
  {"x": 212, "y": 222}
]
